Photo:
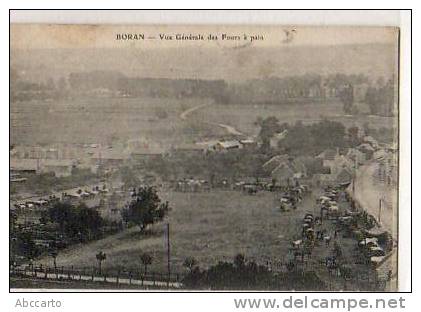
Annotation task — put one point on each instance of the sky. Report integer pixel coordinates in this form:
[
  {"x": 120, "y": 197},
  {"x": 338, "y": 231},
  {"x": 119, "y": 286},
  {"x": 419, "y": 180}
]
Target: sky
[
  {"x": 42, "y": 51},
  {"x": 42, "y": 36}
]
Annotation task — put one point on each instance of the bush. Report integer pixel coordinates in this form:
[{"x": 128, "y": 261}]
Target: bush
[
  {"x": 248, "y": 275},
  {"x": 76, "y": 222}
]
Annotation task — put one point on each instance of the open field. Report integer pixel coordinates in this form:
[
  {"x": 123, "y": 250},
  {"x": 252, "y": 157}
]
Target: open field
[
  {"x": 208, "y": 226},
  {"x": 101, "y": 120},
  {"x": 117, "y": 120},
  {"x": 214, "y": 227}
]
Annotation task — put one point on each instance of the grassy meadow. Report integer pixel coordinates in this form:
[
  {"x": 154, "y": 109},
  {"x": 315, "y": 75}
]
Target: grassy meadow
[
  {"x": 117, "y": 120},
  {"x": 207, "y": 226},
  {"x": 103, "y": 120}
]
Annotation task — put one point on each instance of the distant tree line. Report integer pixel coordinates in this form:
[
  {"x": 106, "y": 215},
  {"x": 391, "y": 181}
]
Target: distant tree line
[
  {"x": 381, "y": 98},
  {"x": 311, "y": 88},
  {"x": 24, "y": 90},
  {"x": 279, "y": 89}
]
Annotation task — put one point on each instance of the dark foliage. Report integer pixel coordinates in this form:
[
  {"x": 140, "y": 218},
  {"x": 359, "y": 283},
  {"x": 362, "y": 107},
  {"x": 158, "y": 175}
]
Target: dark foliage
[
  {"x": 313, "y": 139},
  {"x": 346, "y": 95},
  {"x": 78, "y": 222},
  {"x": 145, "y": 208},
  {"x": 380, "y": 99},
  {"x": 268, "y": 128},
  {"x": 23, "y": 244},
  {"x": 243, "y": 275}
]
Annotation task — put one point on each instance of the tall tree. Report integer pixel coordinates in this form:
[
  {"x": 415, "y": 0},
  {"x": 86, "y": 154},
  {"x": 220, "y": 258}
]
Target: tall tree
[{"x": 146, "y": 208}]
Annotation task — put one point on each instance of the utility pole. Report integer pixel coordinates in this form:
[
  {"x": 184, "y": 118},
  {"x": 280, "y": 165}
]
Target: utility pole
[
  {"x": 168, "y": 254},
  {"x": 354, "y": 177},
  {"x": 380, "y": 210}
]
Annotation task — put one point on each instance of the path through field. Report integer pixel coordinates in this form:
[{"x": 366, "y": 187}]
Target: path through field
[
  {"x": 187, "y": 112},
  {"x": 228, "y": 128}
]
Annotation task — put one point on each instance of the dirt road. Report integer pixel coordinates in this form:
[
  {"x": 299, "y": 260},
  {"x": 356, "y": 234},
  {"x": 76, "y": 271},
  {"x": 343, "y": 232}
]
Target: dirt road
[
  {"x": 187, "y": 112},
  {"x": 228, "y": 128}
]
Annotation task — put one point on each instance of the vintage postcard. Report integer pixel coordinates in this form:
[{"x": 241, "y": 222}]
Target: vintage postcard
[{"x": 204, "y": 158}]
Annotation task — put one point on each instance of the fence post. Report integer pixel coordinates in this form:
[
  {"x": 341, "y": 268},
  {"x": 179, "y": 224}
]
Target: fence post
[
  {"x": 105, "y": 277},
  {"x": 153, "y": 278},
  {"x": 118, "y": 277},
  {"x": 130, "y": 278},
  {"x": 46, "y": 272},
  {"x": 93, "y": 273}
]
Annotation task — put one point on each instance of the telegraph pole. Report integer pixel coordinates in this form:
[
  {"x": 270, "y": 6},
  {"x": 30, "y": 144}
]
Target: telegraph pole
[{"x": 168, "y": 254}]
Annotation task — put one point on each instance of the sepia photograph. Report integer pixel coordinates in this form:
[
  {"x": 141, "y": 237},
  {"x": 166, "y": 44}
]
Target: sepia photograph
[{"x": 204, "y": 158}]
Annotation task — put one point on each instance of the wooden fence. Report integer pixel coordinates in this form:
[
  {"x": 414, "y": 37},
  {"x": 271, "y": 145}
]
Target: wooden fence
[{"x": 123, "y": 277}]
